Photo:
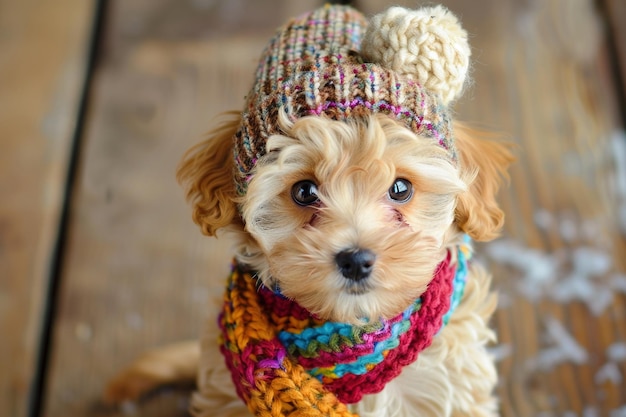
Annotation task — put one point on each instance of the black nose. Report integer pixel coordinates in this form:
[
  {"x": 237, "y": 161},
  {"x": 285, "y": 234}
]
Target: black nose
[{"x": 355, "y": 264}]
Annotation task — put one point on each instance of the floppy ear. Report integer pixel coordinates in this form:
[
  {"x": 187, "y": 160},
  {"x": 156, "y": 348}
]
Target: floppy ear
[
  {"x": 477, "y": 211},
  {"x": 206, "y": 174}
]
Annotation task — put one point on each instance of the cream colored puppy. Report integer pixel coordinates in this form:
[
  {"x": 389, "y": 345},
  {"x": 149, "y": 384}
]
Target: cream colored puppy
[{"x": 351, "y": 194}]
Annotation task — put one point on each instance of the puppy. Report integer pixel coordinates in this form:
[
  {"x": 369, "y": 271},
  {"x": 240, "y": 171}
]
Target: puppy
[{"x": 351, "y": 194}]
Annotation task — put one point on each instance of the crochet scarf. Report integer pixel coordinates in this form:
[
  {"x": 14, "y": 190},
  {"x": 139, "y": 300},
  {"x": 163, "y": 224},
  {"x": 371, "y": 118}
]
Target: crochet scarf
[{"x": 284, "y": 360}]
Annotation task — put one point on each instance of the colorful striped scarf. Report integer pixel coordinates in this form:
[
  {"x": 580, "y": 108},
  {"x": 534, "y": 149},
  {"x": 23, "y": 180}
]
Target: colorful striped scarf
[{"x": 284, "y": 360}]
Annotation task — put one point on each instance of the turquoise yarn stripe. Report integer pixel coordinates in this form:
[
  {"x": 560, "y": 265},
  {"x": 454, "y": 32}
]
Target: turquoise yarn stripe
[{"x": 371, "y": 341}]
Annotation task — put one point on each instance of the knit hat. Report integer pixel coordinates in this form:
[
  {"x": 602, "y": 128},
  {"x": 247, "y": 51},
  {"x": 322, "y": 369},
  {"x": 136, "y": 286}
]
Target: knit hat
[{"x": 408, "y": 64}]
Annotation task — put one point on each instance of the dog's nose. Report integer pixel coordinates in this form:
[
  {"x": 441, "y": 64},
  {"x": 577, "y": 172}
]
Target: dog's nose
[{"x": 355, "y": 264}]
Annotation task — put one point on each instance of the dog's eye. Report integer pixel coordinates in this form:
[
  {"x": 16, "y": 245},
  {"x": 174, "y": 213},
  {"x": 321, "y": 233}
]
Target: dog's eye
[
  {"x": 401, "y": 191},
  {"x": 304, "y": 193}
]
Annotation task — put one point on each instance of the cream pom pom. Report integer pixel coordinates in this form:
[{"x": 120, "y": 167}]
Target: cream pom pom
[{"x": 428, "y": 45}]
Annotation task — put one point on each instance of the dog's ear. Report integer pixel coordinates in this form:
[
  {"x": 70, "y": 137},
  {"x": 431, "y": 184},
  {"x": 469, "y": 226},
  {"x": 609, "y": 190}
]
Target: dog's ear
[
  {"x": 477, "y": 211},
  {"x": 206, "y": 174}
]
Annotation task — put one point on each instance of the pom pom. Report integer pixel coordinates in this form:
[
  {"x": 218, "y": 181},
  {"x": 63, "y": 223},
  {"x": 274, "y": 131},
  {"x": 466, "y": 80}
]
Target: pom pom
[{"x": 428, "y": 45}]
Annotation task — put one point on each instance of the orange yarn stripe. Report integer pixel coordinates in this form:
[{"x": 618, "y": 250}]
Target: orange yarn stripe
[{"x": 270, "y": 388}]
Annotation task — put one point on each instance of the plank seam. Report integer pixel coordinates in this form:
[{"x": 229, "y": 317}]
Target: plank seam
[
  {"x": 37, "y": 392},
  {"x": 614, "y": 61}
]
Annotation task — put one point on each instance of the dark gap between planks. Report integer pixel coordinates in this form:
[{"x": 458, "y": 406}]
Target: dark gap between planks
[
  {"x": 36, "y": 399},
  {"x": 604, "y": 10}
]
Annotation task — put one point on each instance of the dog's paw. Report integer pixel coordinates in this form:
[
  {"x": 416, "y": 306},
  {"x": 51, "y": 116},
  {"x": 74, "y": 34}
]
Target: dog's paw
[
  {"x": 174, "y": 364},
  {"x": 130, "y": 385}
]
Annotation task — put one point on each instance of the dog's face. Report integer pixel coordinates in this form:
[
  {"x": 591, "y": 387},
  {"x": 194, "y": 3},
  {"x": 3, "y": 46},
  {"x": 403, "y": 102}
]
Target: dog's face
[{"x": 350, "y": 219}]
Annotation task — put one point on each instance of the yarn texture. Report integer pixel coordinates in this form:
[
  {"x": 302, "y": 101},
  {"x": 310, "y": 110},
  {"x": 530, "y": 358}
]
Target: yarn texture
[
  {"x": 428, "y": 45},
  {"x": 285, "y": 361},
  {"x": 409, "y": 66}
]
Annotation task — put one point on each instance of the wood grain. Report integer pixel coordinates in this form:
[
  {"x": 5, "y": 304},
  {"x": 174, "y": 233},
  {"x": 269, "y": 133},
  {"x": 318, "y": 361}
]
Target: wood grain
[
  {"x": 42, "y": 63},
  {"x": 548, "y": 58},
  {"x": 542, "y": 73},
  {"x": 139, "y": 274}
]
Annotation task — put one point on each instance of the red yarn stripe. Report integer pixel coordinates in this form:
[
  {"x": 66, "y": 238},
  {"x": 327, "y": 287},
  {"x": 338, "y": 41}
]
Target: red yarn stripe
[{"x": 425, "y": 325}]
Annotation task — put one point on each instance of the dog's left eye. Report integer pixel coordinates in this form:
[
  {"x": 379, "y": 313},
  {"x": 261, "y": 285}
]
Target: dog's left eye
[
  {"x": 401, "y": 191},
  {"x": 304, "y": 193}
]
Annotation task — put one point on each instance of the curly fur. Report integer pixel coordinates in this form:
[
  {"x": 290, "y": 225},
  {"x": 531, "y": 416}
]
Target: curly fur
[{"x": 354, "y": 163}]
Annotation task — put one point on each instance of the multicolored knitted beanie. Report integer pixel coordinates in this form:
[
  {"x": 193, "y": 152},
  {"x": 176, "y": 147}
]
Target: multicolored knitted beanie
[{"x": 408, "y": 64}]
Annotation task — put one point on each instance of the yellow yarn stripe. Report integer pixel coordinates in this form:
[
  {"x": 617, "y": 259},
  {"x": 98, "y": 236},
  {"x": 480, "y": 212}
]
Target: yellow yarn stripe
[{"x": 290, "y": 391}]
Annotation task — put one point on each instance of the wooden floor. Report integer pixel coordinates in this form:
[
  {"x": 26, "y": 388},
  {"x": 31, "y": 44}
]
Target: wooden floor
[{"x": 86, "y": 286}]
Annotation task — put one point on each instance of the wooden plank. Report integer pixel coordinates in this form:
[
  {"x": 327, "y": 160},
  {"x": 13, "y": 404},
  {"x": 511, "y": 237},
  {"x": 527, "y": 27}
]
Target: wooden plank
[
  {"x": 540, "y": 72},
  {"x": 138, "y": 272},
  {"x": 556, "y": 101},
  {"x": 42, "y": 65}
]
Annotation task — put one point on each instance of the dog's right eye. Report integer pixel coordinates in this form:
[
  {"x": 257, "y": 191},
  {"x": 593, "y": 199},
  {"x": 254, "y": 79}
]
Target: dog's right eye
[
  {"x": 401, "y": 191},
  {"x": 304, "y": 193}
]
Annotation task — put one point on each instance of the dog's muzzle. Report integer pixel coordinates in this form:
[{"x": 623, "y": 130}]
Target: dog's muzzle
[{"x": 355, "y": 264}]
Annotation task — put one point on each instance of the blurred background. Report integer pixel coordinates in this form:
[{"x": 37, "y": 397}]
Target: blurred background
[{"x": 99, "y": 259}]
